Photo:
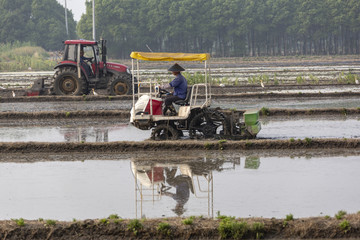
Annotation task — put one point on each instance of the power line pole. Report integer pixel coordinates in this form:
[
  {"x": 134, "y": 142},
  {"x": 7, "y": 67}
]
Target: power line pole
[
  {"x": 66, "y": 21},
  {"x": 93, "y": 8}
]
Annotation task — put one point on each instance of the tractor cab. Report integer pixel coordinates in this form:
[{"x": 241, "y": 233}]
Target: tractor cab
[{"x": 84, "y": 67}]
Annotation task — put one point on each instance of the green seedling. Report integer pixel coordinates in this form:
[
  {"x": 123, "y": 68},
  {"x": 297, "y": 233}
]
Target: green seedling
[
  {"x": 219, "y": 216},
  {"x": 258, "y": 229},
  {"x": 208, "y": 146},
  {"x": 50, "y": 222},
  {"x": 248, "y": 144},
  {"x": 289, "y": 217},
  {"x": 345, "y": 226},
  {"x": 265, "y": 111},
  {"x": 134, "y": 226},
  {"x": 189, "y": 221},
  {"x": 340, "y": 214},
  {"x": 230, "y": 228},
  {"x": 20, "y": 222},
  {"x": 164, "y": 228},
  {"x": 308, "y": 141},
  {"x": 113, "y": 216},
  {"x": 104, "y": 221}
]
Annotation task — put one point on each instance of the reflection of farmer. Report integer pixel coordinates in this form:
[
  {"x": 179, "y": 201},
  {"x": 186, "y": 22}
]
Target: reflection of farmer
[
  {"x": 180, "y": 88},
  {"x": 183, "y": 185}
]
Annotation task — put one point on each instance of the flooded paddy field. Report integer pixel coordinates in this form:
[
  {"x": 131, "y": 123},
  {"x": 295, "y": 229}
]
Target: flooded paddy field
[
  {"x": 232, "y": 71},
  {"x": 295, "y": 101},
  {"x": 93, "y": 166},
  {"x": 112, "y": 130},
  {"x": 242, "y": 184}
]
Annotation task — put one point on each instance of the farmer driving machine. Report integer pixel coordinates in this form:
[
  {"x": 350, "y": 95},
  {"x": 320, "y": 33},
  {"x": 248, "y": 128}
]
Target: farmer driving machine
[
  {"x": 77, "y": 74},
  {"x": 193, "y": 114}
]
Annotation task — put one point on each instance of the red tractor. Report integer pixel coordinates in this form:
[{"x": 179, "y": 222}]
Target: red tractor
[{"x": 82, "y": 69}]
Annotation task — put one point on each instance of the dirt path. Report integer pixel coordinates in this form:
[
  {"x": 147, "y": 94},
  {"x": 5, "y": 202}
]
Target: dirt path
[
  {"x": 125, "y": 114},
  {"x": 178, "y": 145},
  {"x": 191, "y": 228}
]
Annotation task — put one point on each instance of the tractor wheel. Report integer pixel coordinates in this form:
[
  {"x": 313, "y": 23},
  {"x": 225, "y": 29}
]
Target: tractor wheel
[
  {"x": 164, "y": 132},
  {"x": 208, "y": 124},
  {"x": 66, "y": 82},
  {"x": 120, "y": 85}
]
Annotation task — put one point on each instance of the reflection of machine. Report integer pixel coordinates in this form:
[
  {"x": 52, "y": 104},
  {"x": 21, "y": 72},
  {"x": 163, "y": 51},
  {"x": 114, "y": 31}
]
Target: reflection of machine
[
  {"x": 88, "y": 133},
  {"x": 177, "y": 181},
  {"x": 181, "y": 179}
]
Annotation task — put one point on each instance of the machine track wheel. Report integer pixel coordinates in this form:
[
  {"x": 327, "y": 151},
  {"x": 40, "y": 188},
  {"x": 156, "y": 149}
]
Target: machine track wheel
[
  {"x": 208, "y": 124},
  {"x": 164, "y": 132},
  {"x": 66, "y": 82},
  {"x": 120, "y": 85}
]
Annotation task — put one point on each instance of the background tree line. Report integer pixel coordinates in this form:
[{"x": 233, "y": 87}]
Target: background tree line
[
  {"x": 220, "y": 27},
  {"x": 227, "y": 27},
  {"x": 39, "y": 22}
]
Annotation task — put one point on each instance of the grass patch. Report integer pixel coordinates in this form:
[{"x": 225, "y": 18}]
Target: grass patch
[
  {"x": 258, "y": 229},
  {"x": 221, "y": 142},
  {"x": 289, "y": 217},
  {"x": 308, "y": 141},
  {"x": 113, "y": 216},
  {"x": 134, "y": 226},
  {"x": 265, "y": 111},
  {"x": 20, "y": 222},
  {"x": 189, "y": 221},
  {"x": 208, "y": 146},
  {"x": 340, "y": 214},
  {"x": 104, "y": 221},
  {"x": 24, "y": 56},
  {"x": 345, "y": 226},
  {"x": 164, "y": 228},
  {"x": 50, "y": 222},
  {"x": 230, "y": 228}
]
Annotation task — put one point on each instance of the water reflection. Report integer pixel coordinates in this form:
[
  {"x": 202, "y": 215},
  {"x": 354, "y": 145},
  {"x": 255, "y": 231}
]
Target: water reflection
[
  {"x": 86, "y": 186},
  {"x": 156, "y": 180},
  {"x": 85, "y": 134}
]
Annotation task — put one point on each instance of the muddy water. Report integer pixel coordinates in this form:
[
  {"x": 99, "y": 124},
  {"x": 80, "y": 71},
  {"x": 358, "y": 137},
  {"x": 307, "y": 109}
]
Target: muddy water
[
  {"x": 64, "y": 106},
  {"x": 71, "y": 131},
  {"x": 133, "y": 186},
  {"x": 304, "y": 103},
  {"x": 89, "y": 130},
  {"x": 316, "y": 127},
  {"x": 309, "y": 103}
]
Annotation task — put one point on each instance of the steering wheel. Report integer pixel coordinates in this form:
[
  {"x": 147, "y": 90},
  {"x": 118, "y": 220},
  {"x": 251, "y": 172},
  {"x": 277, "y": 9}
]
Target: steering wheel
[
  {"x": 89, "y": 60},
  {"x": 163, "y": 92}
]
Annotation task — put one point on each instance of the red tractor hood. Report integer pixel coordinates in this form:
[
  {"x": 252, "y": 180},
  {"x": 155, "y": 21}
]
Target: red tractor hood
[{"x": 116, "y": 67}]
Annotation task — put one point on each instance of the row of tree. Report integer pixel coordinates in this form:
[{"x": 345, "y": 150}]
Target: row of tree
[
  {"x": 220, "y": 27},
  {"x": 227, "y": 27},
  {"x": 40, "y": 22}
]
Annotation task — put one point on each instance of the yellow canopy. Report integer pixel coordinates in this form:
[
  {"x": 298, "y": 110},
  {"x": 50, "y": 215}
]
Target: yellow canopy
[{"x": 158, "y": 56}]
